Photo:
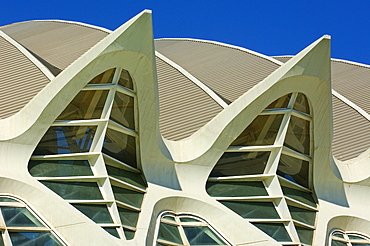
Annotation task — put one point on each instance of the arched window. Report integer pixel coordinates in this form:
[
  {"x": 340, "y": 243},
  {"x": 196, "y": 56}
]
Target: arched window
[
  {"x": 19, "y": 225},
  {"x": 89, "y": 156},
  {"x": 265, "y": 174},
  {"x": 185, "y": 229},
  {"x": 341, "y": 238}
]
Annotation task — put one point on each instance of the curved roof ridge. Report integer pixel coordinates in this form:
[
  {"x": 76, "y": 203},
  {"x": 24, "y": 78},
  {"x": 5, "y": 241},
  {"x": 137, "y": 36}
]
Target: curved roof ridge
[
  {"x": 29, "y": 56},
  {"x": 351, "y": 104},
  {"x": 66, "y": 22},
  {"x": 235, "y": 47},
  {"x": 351, "y": 62},
  {"x": 197, "y": 82}
]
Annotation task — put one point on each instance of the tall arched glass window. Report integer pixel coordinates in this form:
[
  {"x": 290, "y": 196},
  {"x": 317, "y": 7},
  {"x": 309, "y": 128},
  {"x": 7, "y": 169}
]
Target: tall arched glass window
[
  {"x": 265, "y": 176},
  {"x": 341, "y": 238},
  {"x": 89, "y": 156}
]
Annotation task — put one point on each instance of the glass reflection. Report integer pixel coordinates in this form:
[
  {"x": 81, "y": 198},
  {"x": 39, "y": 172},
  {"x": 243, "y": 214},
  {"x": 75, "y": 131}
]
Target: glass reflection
[
  {"x": 201, "y": 236},
  {"x": 19, "y": 217},
  {"x": 262, "y": 131},
  {"x": 33, "y": 239},
  {"x": 86, "y": 105},
  {"x": 253, "y": 209},
  {"x": 236, "y": 188},
  {"x": 282, "y": 102},
  {"x": 275, "y": 230},
  {"x": 294, "y": 169},
  {"x": 240, "y": 163},
  {"x": 120, "y": 146},
  {"x": 66, "y": 140},
  {"x": 301, "y": 104},
  {"x": 126, "y": 80},
  {"x": 96, "y": 212},
  {"x": 128, "y": 217},
  {"x": 123, "y": 110},
  {"x": 75, "y": 190},
  {"x": 105, "y": 77},
  {"x": 298, "y": 135},
  {"x": 59, "y": 168}
]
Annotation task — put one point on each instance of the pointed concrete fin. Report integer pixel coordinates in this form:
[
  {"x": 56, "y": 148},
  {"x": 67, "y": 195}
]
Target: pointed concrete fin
[{"x": 314, "y": 60}]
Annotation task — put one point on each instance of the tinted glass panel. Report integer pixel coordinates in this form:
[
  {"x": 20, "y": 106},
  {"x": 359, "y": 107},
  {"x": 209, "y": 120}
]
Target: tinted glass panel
[
  {"x": 282, "y": 102},
  {"x": 305, "y": 235},
  {"x": 33, "y": 239},
  {"x": 128, "y": 217},
  {"x": 66, "y": 140},
  {"x": 301, "y": 104},
  {"x": 126, "y": 80},
  {"x": 236, "y": 189},
  {"x": 120, "y": 146},
  {"x": 126, "y": 176},
  {"x": 19, "y": 217},
  {"x": 202, "y": 236},
  {"x": 337, "y": 243},
  {"x": 262, "y": 131},
  {"x": 86, "y": 105},
  {"x": 123, "y": 110},
  {"x": 275, "y": 230},
  {"x": 187, "y": 219},
  {"x": 253, "y": 210},
  {"x": 75, "y": 190},
  {"x": 6, "y": 199},
  {"x": 112, "y": 231},
  {"x": 303, "y": 215},
  {"x": 60, "y": 168},
  {"x": 129, "y": 197},
  {"x": 105, "y": 77},
  {"x": 169, "y": 233},
  {"x": 1, "y": 239},
  {"x": 129, "y": 234},
  {"x": 298, "y": 195},
  {"x": 96, "y": 212},
  {"x": 294, "y": 169},
  {"x": 298, "y": 135},
  {"x": 240, "y": 163}
]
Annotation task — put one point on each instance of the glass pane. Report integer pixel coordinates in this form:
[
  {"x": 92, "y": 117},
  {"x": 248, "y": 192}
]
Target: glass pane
[
  {"x": 305, "y": 235},
  {"x": 187, "y": 219},
  {"x": 66, "y": 140},
  {"x": 6, "y": 199},
  {"x": 86, "y": 105},
  {"x": 240, "y": 163},
  {"x": 112, "y": 231},
  {"x": 96, "y": 212},
  {"x": 129, "y": 197},
  {"x": 129, "y": 234},
  {"x": 236, "y": 188},
  {"x": 300, "y": 196},
  {"x": 301, "y": 104},
  {"x": 253, "y": 210},
  {"x": 303, "y": 215},
  {"x": 275, "y": 230},
  {"x": 169, "y": 233},
  {"x": 360, "y": 244},
  {"x": 338, "y": 234},
  {"x": 202, "y": 236},
  {"x": 33, "y": 239},
  {"x": 262, "y": 131},
  {"x": 61, "y": 168},
  {"x": 126, "y": 80},
  {"x": 282, "y": 102},
  {"x": 294, "y": 169},
  {"x": 19, "y": 217},
  {"x": 75, "y": 190},
  {"x": 298, "y": 135},
  {"x": 126, "y": 176},
  {"x": 1, "y": 239},
  {"x": 338, "y": 243},
  {"x": 128, "y": 217},
  {"x": 169, "y": 218},
  {"x": 105, "y": 77},
  {"x": 123, "y": 110},
  {"x": 120, "y": 146},
  {"x": 356, "y": 237}
]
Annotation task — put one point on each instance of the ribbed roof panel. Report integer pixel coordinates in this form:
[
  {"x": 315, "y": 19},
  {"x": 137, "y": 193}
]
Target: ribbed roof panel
[
  {"x": 351, "y": 131},
  {"x": 184, "y": 107},
  {"x": 228, "y": 71},
  {"x": 353, "y": 82},
  {"x": 58, "y": 43},
  {"x": 20, "y": 79}
]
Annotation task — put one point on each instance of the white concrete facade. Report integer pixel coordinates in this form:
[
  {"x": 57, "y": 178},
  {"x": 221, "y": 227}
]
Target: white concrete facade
[{"x": 177, "y": 172}]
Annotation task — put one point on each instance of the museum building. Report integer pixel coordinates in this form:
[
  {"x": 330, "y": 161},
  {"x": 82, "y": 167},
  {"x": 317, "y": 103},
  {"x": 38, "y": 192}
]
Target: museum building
[{"x": 114, "y": 138}]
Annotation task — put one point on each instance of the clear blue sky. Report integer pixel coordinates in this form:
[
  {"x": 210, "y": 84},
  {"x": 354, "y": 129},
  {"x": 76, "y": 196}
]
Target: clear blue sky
[{"x": 269, "y": 27}]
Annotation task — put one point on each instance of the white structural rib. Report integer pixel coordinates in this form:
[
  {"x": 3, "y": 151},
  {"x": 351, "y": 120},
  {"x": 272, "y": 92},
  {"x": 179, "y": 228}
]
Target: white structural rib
[
  {"x": 201, "y": 85},
  {"x": 30, "y": 57},
  {"x": 76, "y": 23},
  {"x": 351, "y": 104}
]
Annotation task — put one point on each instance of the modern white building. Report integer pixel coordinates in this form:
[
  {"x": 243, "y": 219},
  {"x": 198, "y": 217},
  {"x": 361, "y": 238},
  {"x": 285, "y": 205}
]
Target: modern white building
[{"x": 113, "y": 138}]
